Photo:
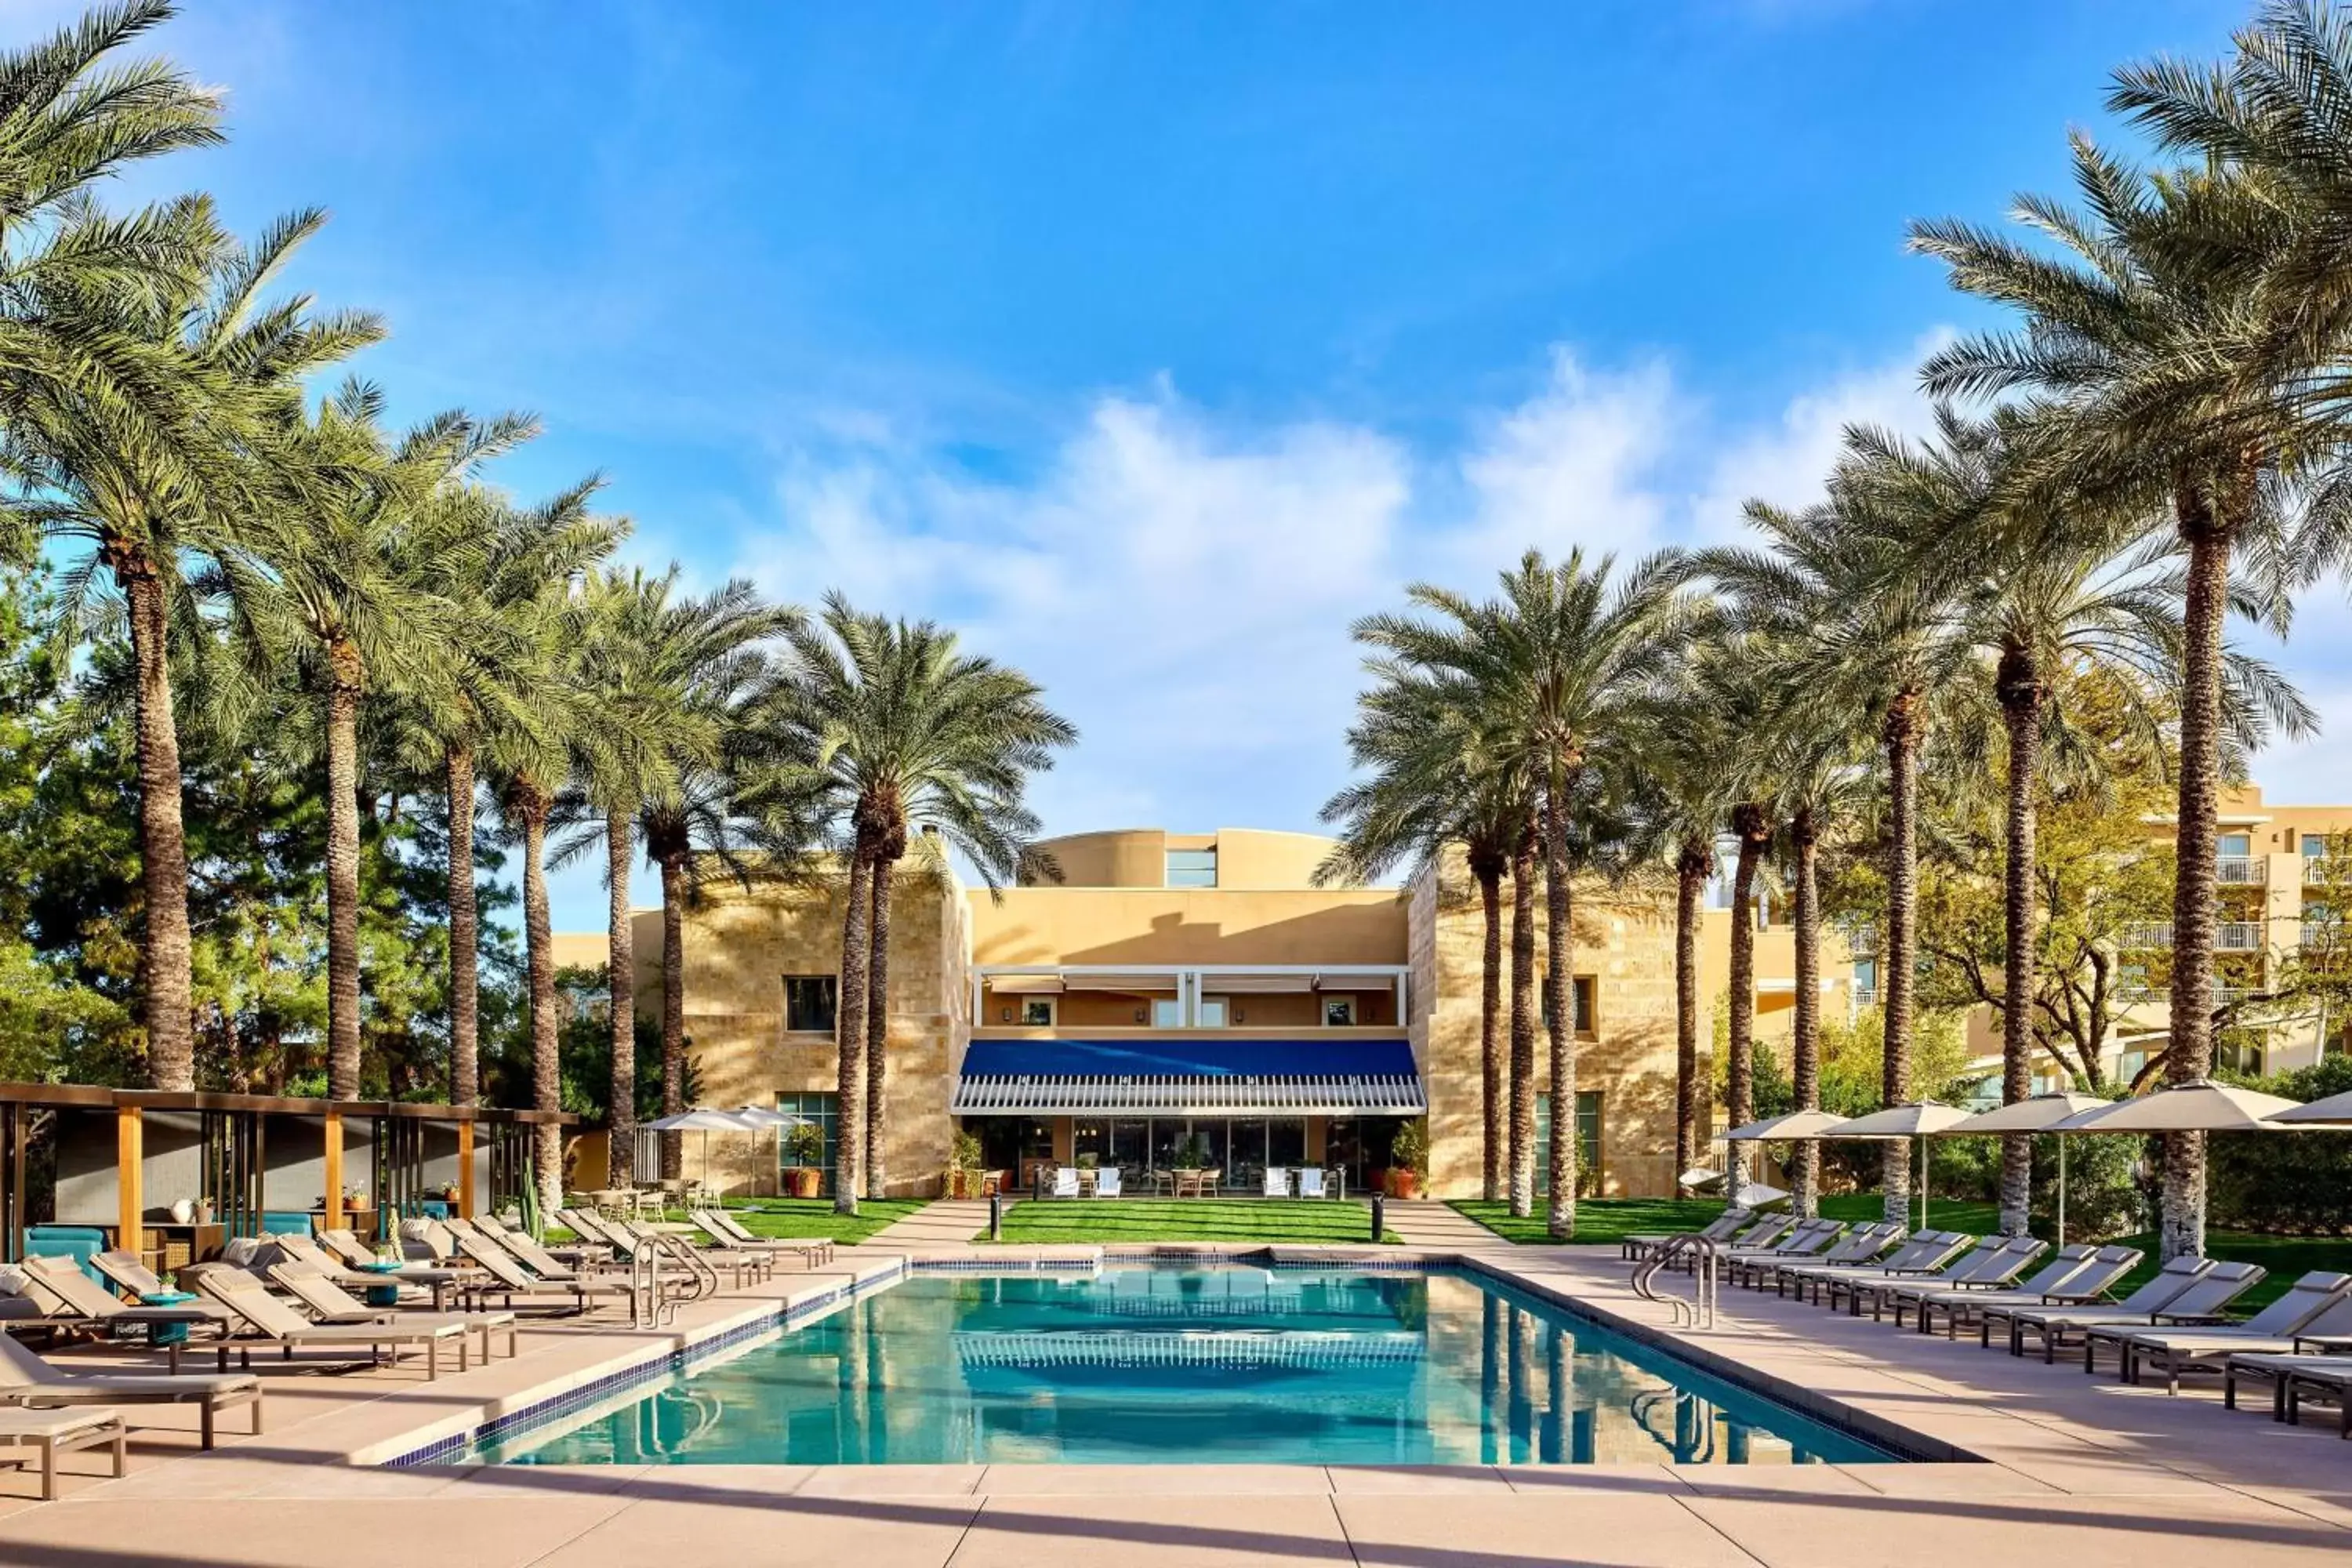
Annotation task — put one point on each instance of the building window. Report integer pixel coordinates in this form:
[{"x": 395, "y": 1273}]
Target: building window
[
  {"x": 824, "y": 1110},
  {"x": 1338, "y": 1012},
  {"x": 2234, "y": 846},
  {"x": 1581, "y": 1008},
  {"x": 1213, "y": 1012},
  {"x": 810, "y": 1001},
  {"x": 2315, "y": 845},
  {"x": 1167, "y": 1012},
  {"x": 1191, "y": 868},
  {"x": 1037, "y": 1012},
  {"x": 1587, "y": 1144}
]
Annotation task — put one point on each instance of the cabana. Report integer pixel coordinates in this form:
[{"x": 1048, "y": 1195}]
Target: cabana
[{"x": 176, "y": 1176}]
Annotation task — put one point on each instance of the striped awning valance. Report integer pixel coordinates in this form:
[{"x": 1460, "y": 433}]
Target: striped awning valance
[
  {"x": 1144, "y": 982},
  {"x": 1153, "y": 1095}
]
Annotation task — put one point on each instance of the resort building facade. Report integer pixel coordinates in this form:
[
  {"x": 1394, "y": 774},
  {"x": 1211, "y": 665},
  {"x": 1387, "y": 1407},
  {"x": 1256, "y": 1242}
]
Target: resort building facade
[{"x": 1191, "y": 1000}]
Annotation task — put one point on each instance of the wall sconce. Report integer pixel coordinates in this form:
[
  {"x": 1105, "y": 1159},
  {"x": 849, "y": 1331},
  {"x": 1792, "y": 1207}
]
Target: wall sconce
[
  {"x": 1240, "y": 1016},
  {"x": 1005, "y": 1013},
  {"x": 1143, "y": 1016}
]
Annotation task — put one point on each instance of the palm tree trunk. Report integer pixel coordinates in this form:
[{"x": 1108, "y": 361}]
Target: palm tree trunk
[
  {"x": 344, "y": 872},
  {"x": 849, "y": 1028},
  {"x": 166, "y": 990},
  {"x": 1523, "y": 1027},
  {"x": 1559, "y": 987},
  {"x": 621, "y": 970},
  {"x": 1691, "y": 870},
  {"x": 878, "y": 1033},
  {"x": 2020, "y": 686},
  {"x": 1805, "y": 1050},
  {"x": 673, "y": 891},
  {"x": 2195, "y": 901},
  {"x": 1755, "y": 830},
  {"x": 465, "y": 983},
  {"x": 1902, "y": 735},
  {"x": 1490, "y": 1044},
  {"x": 531, "y": 805}
]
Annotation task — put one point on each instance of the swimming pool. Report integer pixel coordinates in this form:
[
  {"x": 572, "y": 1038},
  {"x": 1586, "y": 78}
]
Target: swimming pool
[{"x": 1196, "y": 1365}]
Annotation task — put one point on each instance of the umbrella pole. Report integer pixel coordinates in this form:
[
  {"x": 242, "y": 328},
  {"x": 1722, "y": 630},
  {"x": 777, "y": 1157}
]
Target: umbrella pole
[
  {"x": 2062, "y": 1193},
  {"x": 1922, "y": 1184}
]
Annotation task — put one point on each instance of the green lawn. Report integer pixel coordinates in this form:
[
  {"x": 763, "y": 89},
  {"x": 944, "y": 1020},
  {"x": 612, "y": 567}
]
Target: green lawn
[
  {"x": 1259, "y": 1220},
  {"x": 1604, "y": 1220},
  {"x": 806, "y": 1219}
]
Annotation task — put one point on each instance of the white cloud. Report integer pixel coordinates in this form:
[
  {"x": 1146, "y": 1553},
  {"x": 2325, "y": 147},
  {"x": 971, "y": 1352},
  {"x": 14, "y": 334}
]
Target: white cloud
[{"x": 1183, "y": 584}]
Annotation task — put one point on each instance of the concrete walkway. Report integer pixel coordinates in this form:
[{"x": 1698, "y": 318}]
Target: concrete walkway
[
  {"x": 951, "y": 1221},
  {"x": 1425, "y": 1222}
]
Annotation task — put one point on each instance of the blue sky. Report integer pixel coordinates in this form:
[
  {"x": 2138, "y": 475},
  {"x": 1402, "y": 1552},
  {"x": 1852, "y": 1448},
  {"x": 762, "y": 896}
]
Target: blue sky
[{"x": 1151, "y": 344}]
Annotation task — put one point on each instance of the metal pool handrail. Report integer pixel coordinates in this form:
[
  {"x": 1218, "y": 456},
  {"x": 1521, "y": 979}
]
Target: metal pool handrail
[{"x": 1699, "y": 1312}]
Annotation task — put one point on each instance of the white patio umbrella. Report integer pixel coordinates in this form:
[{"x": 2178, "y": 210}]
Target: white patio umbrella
[
  {"x": 2336, "y": 1110},
  {"x": 1794, "y": 1127},
  {"x": 775, "y": 1121},
  {"x": 2202, "y": 1106},
  {"x": 2038, "y": 1113},
  {"x": 1756, "y": 1195},
  {"x": 1918, "y": 1118},
  {"x": 703, "y": 1119}
]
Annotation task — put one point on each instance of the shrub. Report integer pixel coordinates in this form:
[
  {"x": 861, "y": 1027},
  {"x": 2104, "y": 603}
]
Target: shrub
[
  {"x": 1410, "y": 1151},
  {"x": 2297, "y": 1183}
]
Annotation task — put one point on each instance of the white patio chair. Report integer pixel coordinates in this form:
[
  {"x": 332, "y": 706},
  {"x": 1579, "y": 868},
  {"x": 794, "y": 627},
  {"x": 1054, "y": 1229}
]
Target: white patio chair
[
  {"x": 1107, "y": 1182},
  {"x": 1066, "y": 1181},
  {"x": 1278, "y": 1181},
  {"x": 1310, "y": 1182}
]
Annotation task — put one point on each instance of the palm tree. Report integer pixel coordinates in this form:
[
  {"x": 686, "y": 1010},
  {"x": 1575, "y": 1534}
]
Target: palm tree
[
  {"x": 1561, "y": 661},
  {"x": 343, "y": 603},
  {"x": 2160, "y": 349},
  {"x": 659, "y": 670},
  {"x": 1432, "y": 784},
  {"x": 890, "y": 728},
  {"x": 161, "y": 480}
]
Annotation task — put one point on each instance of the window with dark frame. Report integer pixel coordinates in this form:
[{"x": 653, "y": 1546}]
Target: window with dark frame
[{"x": 810, "y": 1003}]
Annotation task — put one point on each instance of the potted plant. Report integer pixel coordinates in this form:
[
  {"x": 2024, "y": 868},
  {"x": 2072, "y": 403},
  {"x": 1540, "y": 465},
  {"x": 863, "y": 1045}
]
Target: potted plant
[
  {"x": 805, "y": 1158},
  {"x": 963, "y": 1167},
  {"x": 1407, "y": 1156}
]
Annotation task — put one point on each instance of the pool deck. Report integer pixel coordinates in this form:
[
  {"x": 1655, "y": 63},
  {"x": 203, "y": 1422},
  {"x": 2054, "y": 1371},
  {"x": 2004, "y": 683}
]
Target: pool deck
[{"x": 2079, "y": 1471}]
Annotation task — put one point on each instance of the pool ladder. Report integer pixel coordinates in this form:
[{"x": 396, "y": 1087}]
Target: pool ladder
[
  {"x": 1699, "y": 1311},
  {"x": 652, "y": 1304}
]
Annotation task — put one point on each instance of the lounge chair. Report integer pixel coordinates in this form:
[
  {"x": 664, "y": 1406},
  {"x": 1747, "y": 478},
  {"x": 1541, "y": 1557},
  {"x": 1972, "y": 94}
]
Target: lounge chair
[
  {"x": 1955, "y": 1301},
  {"x": 1931, "y": 1255},
  {"x": 1856, "y": 1247},
  {"x": 529, "y": 1252},
  {"x": 1808, "y": 1238},
  {"x": 277, "y": 1322},
  {"x": 53, "y": 1432},
  {"x": 1278, "y": 1181},
  {"x": 2319, "y": 1304},
  {"x": 1719, "y": 1230},
  {"x": 29, "y": 1379},
  {"x": 511, "y": 1285},
  {"x": 71, "y": 1298},
  {"x": 2078, "y": 1274},
  {"x": 728, "y": 1228},
  {"x": 2291, "y": 1378},
  {"x": 2049, "y": 1323},
  {"x": 1310, "y": 1182},
  {"x": 1993, "y": 1255},
  {"x": 440, "y": 1282},
  {"x": 2010, "y": 1257},
  {"x": 1921, "y": 1250},
  {"x": 747, "y": 1263},
  {"x": 1107, "y": 1182},
  {"x": 329, "y": 1303},
  {"x": 1065, "y": 1182}
]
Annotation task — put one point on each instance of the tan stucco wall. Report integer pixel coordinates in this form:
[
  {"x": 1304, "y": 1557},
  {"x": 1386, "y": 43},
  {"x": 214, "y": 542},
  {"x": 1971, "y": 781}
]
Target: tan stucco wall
[
  {"x": 1188, "y": 925},
  {"x": 1625, "y": 942},
  {"x": 1138, "y": 857}
]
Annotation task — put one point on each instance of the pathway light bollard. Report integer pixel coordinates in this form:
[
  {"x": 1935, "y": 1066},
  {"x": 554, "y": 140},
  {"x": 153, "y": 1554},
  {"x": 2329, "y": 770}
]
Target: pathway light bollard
[
  {"x": 996, "y": 1216},
  {"x": 1380, "y": 1215}
]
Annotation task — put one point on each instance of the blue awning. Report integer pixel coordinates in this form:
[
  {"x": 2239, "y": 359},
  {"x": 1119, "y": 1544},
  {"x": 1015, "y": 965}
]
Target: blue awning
[{"x": 1229, "y": 1077}]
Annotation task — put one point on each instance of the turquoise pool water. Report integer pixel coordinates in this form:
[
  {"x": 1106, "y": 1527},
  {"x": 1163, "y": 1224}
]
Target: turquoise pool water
[{"x": 1192, "y": 1366}]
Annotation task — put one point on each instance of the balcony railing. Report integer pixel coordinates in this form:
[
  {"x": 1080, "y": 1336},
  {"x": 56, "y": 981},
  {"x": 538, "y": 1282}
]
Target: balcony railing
[
  {"x": 2230, "y": 936},
  {"x": 2134, "y": 995},
  {"x": 2318, "y": 870},
  {"x": 2240, "y": 871}
]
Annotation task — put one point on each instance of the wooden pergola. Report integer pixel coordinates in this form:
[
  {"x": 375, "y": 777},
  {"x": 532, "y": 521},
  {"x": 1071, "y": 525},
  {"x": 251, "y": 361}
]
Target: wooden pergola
[{"x": 248, "y": 1156}]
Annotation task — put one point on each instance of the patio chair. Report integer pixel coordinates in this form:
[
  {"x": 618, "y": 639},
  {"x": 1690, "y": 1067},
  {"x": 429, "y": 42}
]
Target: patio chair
[
  {"x": 1107, "y": 1182},
  {"x": 2049, "y": 1323},
  {"x": 1066, "y": 1181},
  {"x": 1719, "y": 1230},
  {"x": 280, "y": 1324},
  {"x": 2292, "y": 1377},
  {"x": 1999, "y": 1270},
  {"x": 724, "y": 1226},
  {"x": 1857, "y": 1246},
  {"x": 1278, "y": 1181},
  {"x": 1990, "y": 1253},
  {"x": 744, "y": 1263},
  {"x": 1310, "y": 1182},
  {"x": 30, "y": 1380},
  {"x": 2319, "y": 1304},
  {"x": 329, "y": 1303},
  {"x": 1806, "y": 1238},
  {"x": 71, "y": 1298},
  {"x": 1927, "y": 1252},
  {"x": 512, "y": 1286},
  {"x": 50, "y": 1433},
  {"x": 2096, "y": 1270},
  {"x": 438, "y": 1282},
  {"x": 1952, "y": 1302}
]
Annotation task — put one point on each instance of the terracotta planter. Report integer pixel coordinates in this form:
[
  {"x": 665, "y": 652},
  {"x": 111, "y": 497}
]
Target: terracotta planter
[
  {"x": 802, "y": 1181},
  {"x": 1404, "y": 1184}
]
